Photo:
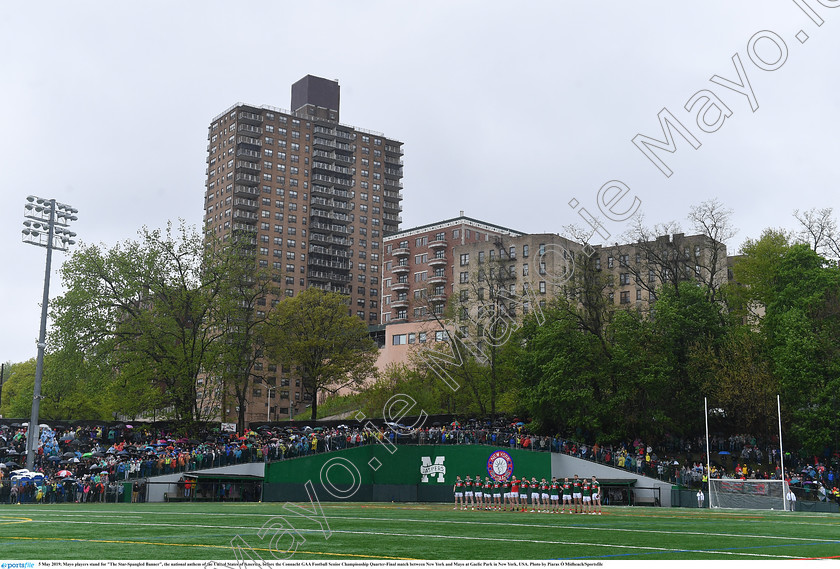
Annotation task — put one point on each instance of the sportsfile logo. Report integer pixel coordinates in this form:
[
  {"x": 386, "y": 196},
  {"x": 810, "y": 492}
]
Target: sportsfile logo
[{"x": 427, "y": 468}]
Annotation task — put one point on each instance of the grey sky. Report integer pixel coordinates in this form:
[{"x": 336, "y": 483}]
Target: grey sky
[{"x": 507, "y": 110}]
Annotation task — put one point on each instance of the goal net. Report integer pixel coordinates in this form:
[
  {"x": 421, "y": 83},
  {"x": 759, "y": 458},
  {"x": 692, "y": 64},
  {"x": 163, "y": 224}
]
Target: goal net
[{"x": 748, "y": 494}]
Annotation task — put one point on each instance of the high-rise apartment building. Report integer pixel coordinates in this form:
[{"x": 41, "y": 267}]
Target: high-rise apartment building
[{"x": 318, "y": 197}]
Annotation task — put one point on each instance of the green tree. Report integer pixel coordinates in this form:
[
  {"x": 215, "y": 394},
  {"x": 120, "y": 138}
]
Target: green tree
[
  {"x": 560, "y": 369},
  {"x": 145, "y": 310},
  {"x": 315, "y": 332},
  {"x": 802, "y": 328},
  {"x": 242, "y": 308}
]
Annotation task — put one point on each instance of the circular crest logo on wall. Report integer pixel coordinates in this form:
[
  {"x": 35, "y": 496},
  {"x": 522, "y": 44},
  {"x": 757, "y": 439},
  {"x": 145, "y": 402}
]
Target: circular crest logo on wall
[{"x": 500, "y": 465}]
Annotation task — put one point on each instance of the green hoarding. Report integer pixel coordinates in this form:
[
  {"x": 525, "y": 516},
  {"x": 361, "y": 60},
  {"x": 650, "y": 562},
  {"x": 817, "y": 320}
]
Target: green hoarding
[{"x": 397, "y": 473}]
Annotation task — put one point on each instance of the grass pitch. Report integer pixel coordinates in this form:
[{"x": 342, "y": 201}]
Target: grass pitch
[{"x": 179, "y": 531}]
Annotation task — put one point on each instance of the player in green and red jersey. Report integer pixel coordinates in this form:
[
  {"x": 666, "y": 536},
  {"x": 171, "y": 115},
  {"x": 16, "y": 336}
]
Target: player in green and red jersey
[
  {"x": 514, "y": 493},
  {"x": 587, "y": 496},
  {"x": 478, "y": 490},
  {"x": 567, "y": 495},
  {"x": 468, "y": 493},
  {"x": 535, "y": 494},
  {"x": 544, "y": 486},
  {"x": 554, "y": 491},
  {"x": 459, "y": 493},
  {"x": 577, "y": 494},
  {"x": 497, "y": 495},
  {"x": 523, "y": 493},
  {"x": 488, "y": 493},
  {"x": 596, "y": 495},
  {"x": 506, "y": 501}
]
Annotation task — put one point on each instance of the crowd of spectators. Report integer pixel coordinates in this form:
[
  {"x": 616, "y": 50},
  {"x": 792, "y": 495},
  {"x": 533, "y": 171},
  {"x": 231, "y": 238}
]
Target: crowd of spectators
[{"x": 89, "y": 463}]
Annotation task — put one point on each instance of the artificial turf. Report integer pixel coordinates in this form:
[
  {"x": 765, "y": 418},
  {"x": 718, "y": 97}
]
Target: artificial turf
[{"x": 205, "y": 531}]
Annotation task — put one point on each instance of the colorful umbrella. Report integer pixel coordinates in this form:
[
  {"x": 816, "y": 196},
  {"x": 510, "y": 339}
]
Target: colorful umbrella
[{"x": 63, "y": 473}]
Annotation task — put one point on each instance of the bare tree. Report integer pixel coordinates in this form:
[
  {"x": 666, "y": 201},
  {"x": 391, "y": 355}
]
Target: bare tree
[
  {"x": 714, "y": 222},
  {"x": 819, "y": 231}
]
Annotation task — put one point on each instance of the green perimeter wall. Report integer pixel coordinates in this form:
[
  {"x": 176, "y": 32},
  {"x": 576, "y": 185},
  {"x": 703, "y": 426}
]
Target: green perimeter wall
[{"x": 398, "y": 478}]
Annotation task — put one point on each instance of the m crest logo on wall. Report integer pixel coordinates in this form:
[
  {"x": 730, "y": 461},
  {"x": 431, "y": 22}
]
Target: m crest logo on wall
[{"x": 428, "y": 469}]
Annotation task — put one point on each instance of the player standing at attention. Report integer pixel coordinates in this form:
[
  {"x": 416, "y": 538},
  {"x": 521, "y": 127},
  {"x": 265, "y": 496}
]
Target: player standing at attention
[
  {"x": 555, "y": 495},
  {"x": 488, "y": 493},
  {"x": 596, "y": 495},
  {"x": 576, "y": 494},
  {"x": 567, "y": 495},
  {"x": 544, "y": 487},
  {"x": 514, "y": 494},
  {"x": 523, "y": 493},
  {"x": 468, "y": 493},
  {"x": 587, "y": 497},
  {"x": 506, "y": 494},
  {"x": 478, "y": 490},
  {"x": 459, "y": 493},
  {"x": 535, "y": 494},
  {"x": 497, "y": 495}
]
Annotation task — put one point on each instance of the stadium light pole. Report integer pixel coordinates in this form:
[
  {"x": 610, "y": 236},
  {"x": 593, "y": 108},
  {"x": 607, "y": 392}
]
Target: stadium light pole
[{"x": 45, "y": 225}]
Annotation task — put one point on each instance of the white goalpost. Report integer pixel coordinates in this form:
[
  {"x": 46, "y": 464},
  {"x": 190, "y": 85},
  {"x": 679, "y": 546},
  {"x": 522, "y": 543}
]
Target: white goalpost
[
  {"x": 747, "y": 494},
  {"x": 752, "y": 493}
]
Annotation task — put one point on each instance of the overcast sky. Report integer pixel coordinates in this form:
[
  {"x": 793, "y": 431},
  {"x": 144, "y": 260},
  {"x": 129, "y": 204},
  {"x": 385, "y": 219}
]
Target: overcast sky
[{"x": 507, "y": 110}]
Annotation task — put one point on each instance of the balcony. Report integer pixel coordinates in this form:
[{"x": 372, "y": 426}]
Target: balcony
[
  {"x": 242, "y": 215},
  {"x": 328, "y": 251},
  {"x": 391, "y": 194},
  {"x": 397, "y": 269},
  {"x": 321, "y": 238},
  {"x": 248, "y": 153},
  {"x": 332, "y": 228},
  {"x": 247, "y": 166},
  {"x": 437, "y": 279},
  {"x": 400, "y": 303},
  {"x": 345, "y": 135},
  {"x": 392, "y": 206},
  {"x": 327, "y": 191},
  {"x": 392, "y": 218},
  {"x": 330, "y": 264},
  {"x": 245, "y": 191},
  {"x": 400, "y": 286},
  {"x": 437, "y": 297},
  {"x": 248, "y": 129},
  {"x": 400, "y": 251},
  {"x": 391, "y": 149},
  {"x": 247, "y": 179},
  {"x": 246, "y": 204},
  {"x": 317, "y": 165},
  {"x": 393, "y": 173},
  {"x": 244, "y": 227},
  {"x": 333, "y": 180},
  {"x": 437, "y": 244},
  {"x": 249, "y": 118},
  {"x": 437, "y": 262},
  {"x": 248, "y": 140},
  {"x": 319, "y": 142},
  {"x": 394, "y": 185},
  {"x": 338, "y": 216},
  {"x": 329, "y": 276}
]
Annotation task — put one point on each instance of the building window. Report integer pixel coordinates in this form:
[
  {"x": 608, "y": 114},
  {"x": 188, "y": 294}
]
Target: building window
[
  {"x": 465, "y": 277},
  {"x": 465, "y": 259},
  {"x": 525, "y": 270},
  {"x": 624, "y": 278},
  {"x": 542, "y": 287},
  {"x": 625, "y": 297},
  {"x": 609, "y": 262},
  {"x": 525, "y": 250},
  {"x": 638, "y": 294}
]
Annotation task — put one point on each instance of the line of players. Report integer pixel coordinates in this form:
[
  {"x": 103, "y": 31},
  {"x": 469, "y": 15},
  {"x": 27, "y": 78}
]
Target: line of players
[{"x": 512, "y": 494}]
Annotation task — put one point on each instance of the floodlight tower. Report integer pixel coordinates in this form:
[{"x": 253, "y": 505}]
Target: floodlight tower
[{"x": 45, "y": 225}]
